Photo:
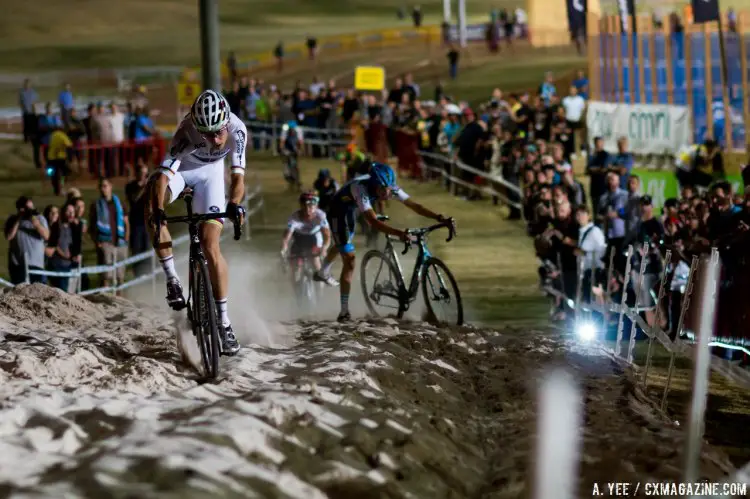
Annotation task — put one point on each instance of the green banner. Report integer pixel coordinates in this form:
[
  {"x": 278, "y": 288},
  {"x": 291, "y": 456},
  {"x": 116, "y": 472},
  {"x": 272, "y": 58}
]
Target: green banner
[{"x": 662, "y": 185}]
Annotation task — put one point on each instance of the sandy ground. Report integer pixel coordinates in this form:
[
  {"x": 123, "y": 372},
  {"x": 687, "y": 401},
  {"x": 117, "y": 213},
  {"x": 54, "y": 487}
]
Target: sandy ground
[{"x": 94, "y": 402}]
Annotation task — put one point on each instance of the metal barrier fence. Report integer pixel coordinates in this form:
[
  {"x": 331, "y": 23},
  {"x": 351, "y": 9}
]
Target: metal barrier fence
[
  {"x": 450, "y": 171},
  {"x": 699, "y": 353},
  {"x": 432, "y": 164},
  {"x": 676, "y": 347},
  {"x": 265, "y": 135},
  {"x": 253, "y": 204}
]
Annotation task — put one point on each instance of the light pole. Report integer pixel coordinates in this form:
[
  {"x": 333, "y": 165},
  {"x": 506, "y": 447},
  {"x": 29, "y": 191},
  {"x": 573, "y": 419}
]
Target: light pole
[{"x": 210, "y": 57}]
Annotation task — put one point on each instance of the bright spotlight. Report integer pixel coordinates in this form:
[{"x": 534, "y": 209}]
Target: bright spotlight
[{"x": 586, "y": 331}]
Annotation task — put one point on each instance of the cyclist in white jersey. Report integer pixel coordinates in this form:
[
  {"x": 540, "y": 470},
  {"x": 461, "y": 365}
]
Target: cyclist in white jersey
[
  {"x": 196, "y": 155},
  {"x": 307, "y": 234}
]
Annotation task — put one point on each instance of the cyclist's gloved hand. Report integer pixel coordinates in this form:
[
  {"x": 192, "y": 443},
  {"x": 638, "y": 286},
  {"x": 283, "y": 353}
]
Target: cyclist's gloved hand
[
  {"x": 283, "y": 253},
  {"x": 408, "y": 238},
  {"x": 235, "y": 212}
]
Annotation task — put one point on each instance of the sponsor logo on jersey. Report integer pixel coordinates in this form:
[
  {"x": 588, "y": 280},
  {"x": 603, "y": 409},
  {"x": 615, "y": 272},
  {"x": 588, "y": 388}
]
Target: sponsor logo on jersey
[
  {"x": 179, "y": 147},
  {"x": 210, "y": 156},
  {"x": 214, "y": 209},
  {"x": 239, "y": 140}
]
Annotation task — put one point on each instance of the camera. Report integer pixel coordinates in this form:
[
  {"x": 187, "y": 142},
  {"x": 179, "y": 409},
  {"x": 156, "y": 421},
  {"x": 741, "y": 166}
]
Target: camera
[{"x": 27, "y": 213}]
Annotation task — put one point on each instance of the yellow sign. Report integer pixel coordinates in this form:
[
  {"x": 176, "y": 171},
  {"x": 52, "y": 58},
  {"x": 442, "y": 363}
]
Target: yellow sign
[
  {"x": 369, "y": 78},
  {"x": 187, "y": 92}
]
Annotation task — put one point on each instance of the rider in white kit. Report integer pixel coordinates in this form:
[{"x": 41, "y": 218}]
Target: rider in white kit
[{"x": 204, "y": 138}]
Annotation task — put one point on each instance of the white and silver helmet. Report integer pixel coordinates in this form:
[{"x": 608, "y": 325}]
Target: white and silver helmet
[{"x": 210, "y": 112}]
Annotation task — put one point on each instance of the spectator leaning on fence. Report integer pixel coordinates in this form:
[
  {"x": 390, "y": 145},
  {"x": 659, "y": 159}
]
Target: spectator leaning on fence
[
  {"x": 27, "y": 232},
  {"x": 108, "y": 228}
]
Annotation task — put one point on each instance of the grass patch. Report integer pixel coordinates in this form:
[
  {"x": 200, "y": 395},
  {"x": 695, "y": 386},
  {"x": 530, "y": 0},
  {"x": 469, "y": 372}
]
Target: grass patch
[{"x": 54, "y": 34}]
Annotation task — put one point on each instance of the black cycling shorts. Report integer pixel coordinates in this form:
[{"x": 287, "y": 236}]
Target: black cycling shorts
[
  {"x": 304, "y": 245},
  {"x": 342, "y": 228}
]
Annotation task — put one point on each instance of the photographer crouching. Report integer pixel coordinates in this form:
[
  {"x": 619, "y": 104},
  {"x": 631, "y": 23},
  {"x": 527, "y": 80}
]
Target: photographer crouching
[{"x": 26, "y": 233}]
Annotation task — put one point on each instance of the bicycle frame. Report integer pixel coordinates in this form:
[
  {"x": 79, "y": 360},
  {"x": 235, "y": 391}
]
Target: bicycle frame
[{"x": 423, "y": 255}]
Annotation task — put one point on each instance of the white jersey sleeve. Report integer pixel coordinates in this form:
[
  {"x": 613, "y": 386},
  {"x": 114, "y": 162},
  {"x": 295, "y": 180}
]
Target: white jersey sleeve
[
  {"x": 323, "y": 219},
  {"x": 398, "y": 193},
  {"x": 180, "y": 147},
  {"x": 359, "y": 193},
  {"x": 238, "y": 137},
  {"x": 294, "y": 223}
]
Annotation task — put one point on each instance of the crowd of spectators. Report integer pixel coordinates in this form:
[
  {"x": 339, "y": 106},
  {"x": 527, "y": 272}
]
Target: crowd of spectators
[
  {"x": 54, "y": 239},
  {"x": 532, "y": 140},
  {"x": 105, "y": 140},
  {"x": 529, "y": 139},
  {"x": 707, "y": 213}
]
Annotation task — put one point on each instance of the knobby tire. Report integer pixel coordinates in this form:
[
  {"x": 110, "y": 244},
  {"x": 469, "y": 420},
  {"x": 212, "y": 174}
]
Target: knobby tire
[
  {"x": 455, "y": 293},
  {"x": 393, "y": 272},
  {"x": 206, "y": 320}
]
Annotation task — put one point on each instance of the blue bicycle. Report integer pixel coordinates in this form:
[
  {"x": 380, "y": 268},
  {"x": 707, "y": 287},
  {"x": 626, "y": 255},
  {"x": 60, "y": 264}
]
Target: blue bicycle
[{"x": 384, "y": 285}]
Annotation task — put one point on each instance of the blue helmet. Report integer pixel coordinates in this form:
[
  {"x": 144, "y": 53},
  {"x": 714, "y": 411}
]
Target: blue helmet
[
  {"x": 291, "y": 124},
  {"x": 324, "y": 173},
  {"x": 382, "y": 175}
]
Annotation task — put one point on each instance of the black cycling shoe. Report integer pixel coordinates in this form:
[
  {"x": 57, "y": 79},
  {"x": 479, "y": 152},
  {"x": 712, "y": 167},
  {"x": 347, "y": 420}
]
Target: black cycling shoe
[
  {"x": 229, "y": 345},
  {"x": 344, "y": 317},
  {"x": 175, "y": 298}
]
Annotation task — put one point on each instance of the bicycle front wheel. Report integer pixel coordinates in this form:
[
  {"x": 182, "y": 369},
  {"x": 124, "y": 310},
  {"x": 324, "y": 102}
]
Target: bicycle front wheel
[
  {"x": 380, "y": 285},
  {"x": 441, "y": 294},
  {"x": 205, "y": 319}
]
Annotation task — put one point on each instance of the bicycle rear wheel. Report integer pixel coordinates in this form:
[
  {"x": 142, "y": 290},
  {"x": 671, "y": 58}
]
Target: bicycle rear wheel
[
  {"x": 205, "y": 320},
  {"x": 380, "y": 285},
  {"x": 441, "y": 293}
]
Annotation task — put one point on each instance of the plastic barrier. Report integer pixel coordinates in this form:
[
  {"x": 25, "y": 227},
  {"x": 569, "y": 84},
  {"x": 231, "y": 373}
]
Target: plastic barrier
[{"x": 108, "y": 160}]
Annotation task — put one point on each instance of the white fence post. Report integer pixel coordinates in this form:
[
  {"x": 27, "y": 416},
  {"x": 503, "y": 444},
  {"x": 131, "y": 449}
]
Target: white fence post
[
  {"x": 79, "y": 282},
  {"x": 701, "y": 371},
  {"x": 624, "y": 300},
  {"x": 657, "y": 318},
  {"x": 638, "y": 291},
  {"x": 558, "y": 437},
  {"x": 681, "y": 322},
  {"x": 114, "y": 269},
  {"x": 153, "y": 275}
]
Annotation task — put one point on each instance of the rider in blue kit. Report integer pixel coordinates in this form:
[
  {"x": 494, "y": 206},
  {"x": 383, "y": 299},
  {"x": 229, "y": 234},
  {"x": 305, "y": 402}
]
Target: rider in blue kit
[{"x": 359, "y": 194}]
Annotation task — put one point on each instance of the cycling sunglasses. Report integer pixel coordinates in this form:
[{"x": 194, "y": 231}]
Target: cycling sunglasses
[{"x": 211, "y": 135}]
